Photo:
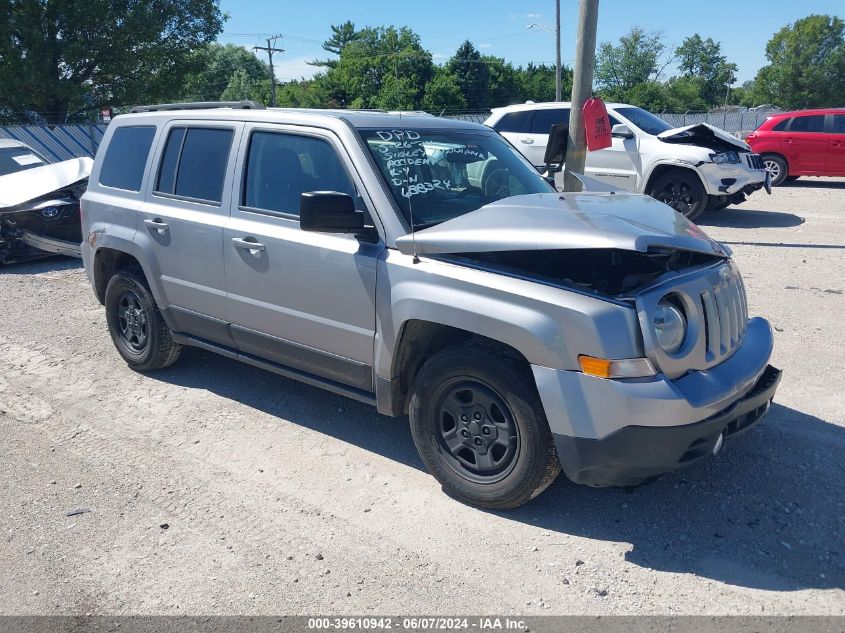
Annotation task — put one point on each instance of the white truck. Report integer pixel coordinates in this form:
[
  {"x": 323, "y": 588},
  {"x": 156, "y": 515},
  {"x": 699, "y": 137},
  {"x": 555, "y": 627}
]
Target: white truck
[{"x": 692, "y": 169}]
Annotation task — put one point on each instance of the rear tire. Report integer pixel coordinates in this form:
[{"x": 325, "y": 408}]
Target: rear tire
[
  {"x": 777, "y": 168},
  {"x": 682, "y": 190},
  {"x": 480, "y": 428},
  {"x": 137, "y": 328}
]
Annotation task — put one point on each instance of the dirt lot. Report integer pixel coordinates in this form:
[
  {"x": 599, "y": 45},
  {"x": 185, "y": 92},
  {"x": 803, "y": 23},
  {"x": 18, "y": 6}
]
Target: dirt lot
[{"x": 214, "y": 487}]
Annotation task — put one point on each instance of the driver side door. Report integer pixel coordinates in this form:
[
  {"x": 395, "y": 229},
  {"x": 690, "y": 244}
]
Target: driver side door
[{"x": 303, "y": 300}]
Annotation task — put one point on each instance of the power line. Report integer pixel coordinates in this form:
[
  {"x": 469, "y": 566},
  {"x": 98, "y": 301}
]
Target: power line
[{"x": 269, "y": 49}]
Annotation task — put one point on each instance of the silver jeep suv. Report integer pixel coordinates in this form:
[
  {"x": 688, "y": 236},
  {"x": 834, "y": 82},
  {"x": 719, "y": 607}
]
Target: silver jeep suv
[{"x": 423, "y": 266}]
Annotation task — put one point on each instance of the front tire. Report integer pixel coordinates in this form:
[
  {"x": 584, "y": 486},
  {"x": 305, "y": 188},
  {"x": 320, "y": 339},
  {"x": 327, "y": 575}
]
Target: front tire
[
  {"x": 480, "y": 429},
  {"x": 682, "y": 190},
  {"x": 136, "y": 326},
  {"x": 777, "y": 167}
]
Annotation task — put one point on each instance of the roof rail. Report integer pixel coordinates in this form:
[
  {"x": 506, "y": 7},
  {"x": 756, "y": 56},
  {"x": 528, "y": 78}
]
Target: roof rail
[{"x": 199, "y": 105}]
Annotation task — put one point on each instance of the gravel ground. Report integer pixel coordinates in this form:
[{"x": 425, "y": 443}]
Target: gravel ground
[{"x": 216, "y": 488}]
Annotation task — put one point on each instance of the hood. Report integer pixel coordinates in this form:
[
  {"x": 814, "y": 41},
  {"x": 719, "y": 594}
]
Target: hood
[
  {"x": 554, "y": 221},
  {"x": 22, "y": 186},
  {"x": 704, "y": 135}
]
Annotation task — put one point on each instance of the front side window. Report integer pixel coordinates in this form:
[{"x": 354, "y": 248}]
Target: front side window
[
  {"x": 194, "y": 163},
  {"x": 126, "y": 157},
  {"x": 281, "y": 167},
  {"x": 814, "y": 123},
  {"x": 437, "y": 175},
  {"x": 839, "y": 123},
  {"x": 645, "y": 120}
]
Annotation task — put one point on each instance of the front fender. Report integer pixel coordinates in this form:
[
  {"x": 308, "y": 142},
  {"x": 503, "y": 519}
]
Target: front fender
[{"x": 549, "y": 326}]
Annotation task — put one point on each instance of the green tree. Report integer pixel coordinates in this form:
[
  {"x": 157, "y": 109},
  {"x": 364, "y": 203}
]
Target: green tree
[
  {"x": 473, "y": 75},
  {"x": 538, "y": 82},
  {"x": 214, "y": 67},
  {"x": 342, "y": 34},
  {"x": 362, "y": 72},
  {"x": 443, "y": 93},
  {"x": 636, "y": 59},
  {"x": 64, "y": 59},
  {"x": 703, "y": 60},
  {"x": 806, "y": 64},
  {"x": 505, "y": 82}
]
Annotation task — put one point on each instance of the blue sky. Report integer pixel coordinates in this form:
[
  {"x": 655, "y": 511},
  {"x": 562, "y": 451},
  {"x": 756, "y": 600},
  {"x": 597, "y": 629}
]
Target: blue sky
[{"x": 497, "y": 27}]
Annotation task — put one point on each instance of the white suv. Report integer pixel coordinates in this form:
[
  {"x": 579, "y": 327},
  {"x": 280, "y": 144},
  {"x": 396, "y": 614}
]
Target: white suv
[{"x": 692, "y": 169}]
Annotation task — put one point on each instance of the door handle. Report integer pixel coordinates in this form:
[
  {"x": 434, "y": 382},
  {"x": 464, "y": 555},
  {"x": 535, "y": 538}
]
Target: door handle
[
  {"x": 788, "y": 140},
  {"x": 157, "y": 224},
  {"x": 527, "y": 141},
  {"x": 247, "y": 243}
]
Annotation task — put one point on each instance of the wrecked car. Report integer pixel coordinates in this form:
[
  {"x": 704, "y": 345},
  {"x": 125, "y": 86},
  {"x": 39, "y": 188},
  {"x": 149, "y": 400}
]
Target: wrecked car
[
  {"x": 424, "y": 267},
  {"x": 692, "y": 169},
  {"x": 39, "y": 203}
]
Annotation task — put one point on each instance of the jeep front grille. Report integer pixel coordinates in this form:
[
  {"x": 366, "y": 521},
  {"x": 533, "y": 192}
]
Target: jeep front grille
[
  {"x": 725, "y": 314},
  {"x": 754, "y": 161}
]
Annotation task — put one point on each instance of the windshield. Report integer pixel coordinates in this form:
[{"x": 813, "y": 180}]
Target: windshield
[
  {"x": 13, "y": 159},
  {"x": 438, "y": 175},
  {"x": 645, "y": 120}
]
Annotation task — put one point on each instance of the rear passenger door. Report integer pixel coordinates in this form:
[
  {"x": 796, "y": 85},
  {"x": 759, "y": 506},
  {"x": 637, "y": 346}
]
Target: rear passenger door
[
  {"x": 301, "y": 299},
  {"x": 533, "y": 142},
  {"x": 182, "y": 223},
  {"x": 805, "y": 144},
  {"x": 835, "y": 159}
]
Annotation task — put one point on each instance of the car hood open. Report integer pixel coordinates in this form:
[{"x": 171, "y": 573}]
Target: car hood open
[
  {"x": 550, "y": 221},
  {"x": 703, "y": 135},
  {"x": 20, "y": 187}
]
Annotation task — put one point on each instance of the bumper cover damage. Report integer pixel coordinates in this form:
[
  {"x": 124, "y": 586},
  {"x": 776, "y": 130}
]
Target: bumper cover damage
[
  {"x": 39, "y": 210},
  {"x": 635, "y": 454}
]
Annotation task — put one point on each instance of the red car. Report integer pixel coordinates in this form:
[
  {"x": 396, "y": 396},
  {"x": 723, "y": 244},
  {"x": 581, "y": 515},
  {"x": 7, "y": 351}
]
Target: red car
[{"x": 803, "y": 143}]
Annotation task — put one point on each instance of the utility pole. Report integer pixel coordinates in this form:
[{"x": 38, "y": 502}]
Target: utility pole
[
  {"x": 557, "y": 50},
  {"x": 270, "y": 50},
  {"x": 582, "y": 89}
]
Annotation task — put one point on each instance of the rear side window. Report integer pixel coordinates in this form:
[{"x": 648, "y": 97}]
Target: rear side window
[
  {"x": 126, "y": 156},
  {"x": 781, "y": 126},
  {"x": 194, "y": 163},
  {"x": 814, "y": 123},
  {"x": 281, "y": 167},
  {"x": 513, "y": 121},
  {"x": 544, "y": 119}
]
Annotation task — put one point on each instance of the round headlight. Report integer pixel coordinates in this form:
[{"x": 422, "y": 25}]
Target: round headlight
[{"x": 670, "y": 326}]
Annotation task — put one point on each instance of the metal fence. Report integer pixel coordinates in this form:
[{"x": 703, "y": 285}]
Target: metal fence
[
  {"x": 732, "y": 122},
  {"x": 58, "y": 142},
  {"x": 61, "y": 142}
]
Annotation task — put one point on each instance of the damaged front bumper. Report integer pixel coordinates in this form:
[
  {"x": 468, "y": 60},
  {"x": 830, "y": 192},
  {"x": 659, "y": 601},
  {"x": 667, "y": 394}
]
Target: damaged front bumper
[
  {"x": 733, "y": 182},
  {"x": 622, "y": 432}
]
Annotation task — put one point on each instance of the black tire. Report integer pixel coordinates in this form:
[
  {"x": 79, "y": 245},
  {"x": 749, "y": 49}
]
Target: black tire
[
  {"x": 777, "y": 167},
  {"x": 137, "y": 329},
  {"x": 504, "y": 410},
  {"x": 717, "y": 203},
  {"x": 682, "y": 190}
]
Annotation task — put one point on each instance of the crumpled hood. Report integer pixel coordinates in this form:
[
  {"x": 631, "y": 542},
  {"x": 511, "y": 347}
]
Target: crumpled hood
[
  {"x": 549, "y": 221},
  {"x": 22, "y": 186},
  {"x": 704, "y": 135}
]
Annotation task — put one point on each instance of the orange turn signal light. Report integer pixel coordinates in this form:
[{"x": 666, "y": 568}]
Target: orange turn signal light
[{"x": 620, "y": 368}]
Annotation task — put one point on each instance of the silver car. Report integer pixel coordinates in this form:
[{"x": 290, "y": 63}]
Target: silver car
[{"x": 423, "y": 266}]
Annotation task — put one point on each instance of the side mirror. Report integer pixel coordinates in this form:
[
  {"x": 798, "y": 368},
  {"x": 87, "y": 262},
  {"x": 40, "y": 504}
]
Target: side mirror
[
  {"x": 329, "y": 212},
  {"x": 620, "y": 130},
  {"x": 556, "y": 146}
]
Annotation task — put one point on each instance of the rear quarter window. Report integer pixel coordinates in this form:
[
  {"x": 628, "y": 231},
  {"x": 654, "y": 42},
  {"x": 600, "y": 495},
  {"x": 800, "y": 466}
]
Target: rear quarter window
[
  {"x": 126, "y": 157},
  {"x": 780, "y": 126}
]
